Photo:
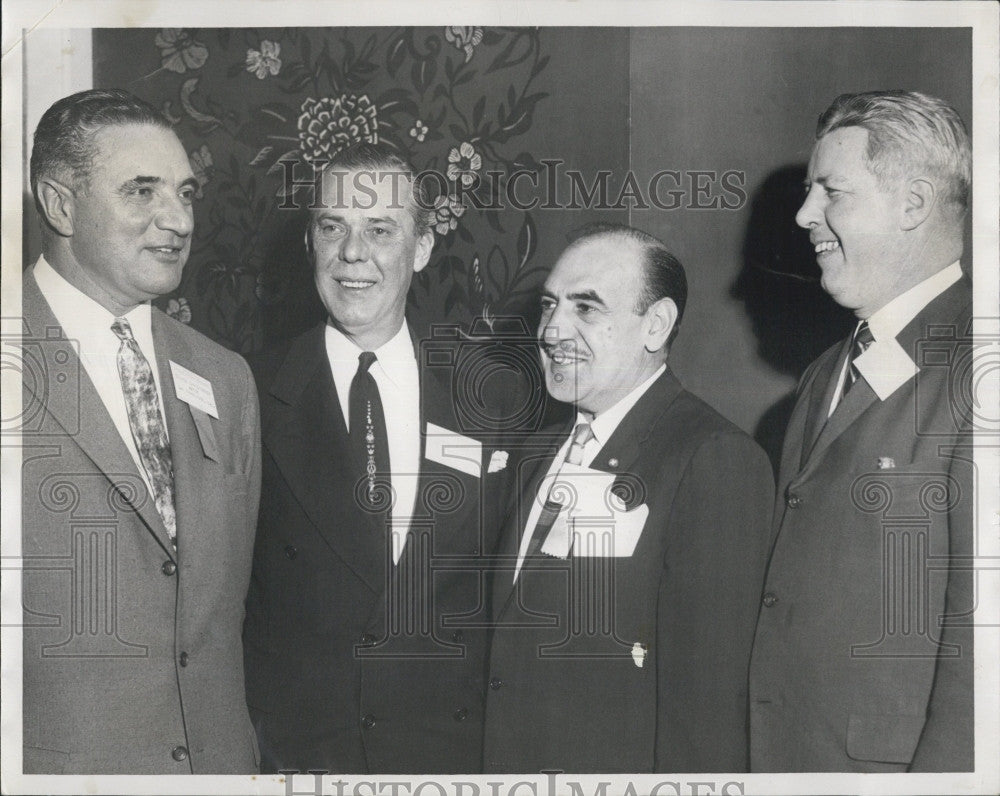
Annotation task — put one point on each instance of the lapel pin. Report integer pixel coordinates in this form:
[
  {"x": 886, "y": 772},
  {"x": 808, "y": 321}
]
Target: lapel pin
[
  {"x": 612, "y": 462},
  {"x": 886, "y": 463},
  {"x": 638, "y": 654}
]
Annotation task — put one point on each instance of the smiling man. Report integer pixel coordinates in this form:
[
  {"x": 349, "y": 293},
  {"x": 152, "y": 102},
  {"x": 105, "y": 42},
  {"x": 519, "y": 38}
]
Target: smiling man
[
  {"x": 358, "y": 659},
  {"x": 863, "y": 654},
  {"x": 141, "y": 466},
  {"x": 629, "y": 572}
]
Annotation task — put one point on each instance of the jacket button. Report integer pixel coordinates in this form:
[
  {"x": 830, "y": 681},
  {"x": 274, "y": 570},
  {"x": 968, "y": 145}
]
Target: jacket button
[
  {"x": 183, "y": 659},
  {"x": 495, "y": 683},
  {"x": 461, "y": 714},
  {"x": 168, "y": 568},
  {"x": 367, "y": 640},
  {"x": 291, "y": 552},
  {"x": 179, "y": 753},
  {"x": 458, "y": 636},
  {"x": 770, "y": 598},
  {"x": 368, "y": 721},
  {"x": 794, "y": 501}
]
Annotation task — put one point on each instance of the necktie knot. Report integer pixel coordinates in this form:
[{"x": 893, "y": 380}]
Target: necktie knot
[
  {"x": 122, "y": 330},
  {"x": 582, "y": 434},
  {"x": 863, "y": 338},
  {"x": 365, "y": 361}
]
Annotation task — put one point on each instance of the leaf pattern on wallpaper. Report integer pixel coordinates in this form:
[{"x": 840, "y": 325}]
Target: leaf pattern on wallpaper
[{"x": 250, "y": 104}]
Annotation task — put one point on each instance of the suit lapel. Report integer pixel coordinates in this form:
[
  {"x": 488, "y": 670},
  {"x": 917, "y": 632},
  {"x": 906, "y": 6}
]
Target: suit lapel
[
  {"x": 83, "y": 416},
  {"x": 620, "y": 452},
  {"x": 186, "y": 448},
  {"x": 534, "y": 468},
  {"x": 821, "y": 391},
  {"x": 945, "y": 307},
  {"x": 310, "y": 444}
]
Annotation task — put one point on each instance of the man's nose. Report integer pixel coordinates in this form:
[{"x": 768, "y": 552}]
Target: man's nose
[
  {"x": 810, "y": 213},
  {"x": 354, "y": 248},
  {"x": 177, "y": 216}
]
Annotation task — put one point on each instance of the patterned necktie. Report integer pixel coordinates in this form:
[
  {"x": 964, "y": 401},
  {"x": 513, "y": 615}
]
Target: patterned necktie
[
  {"x": 582, "y": 434},
  {"x": 862, "y": 339},
  {"x": 144, "y": 418},
  {"x": 368, "y": 432}
]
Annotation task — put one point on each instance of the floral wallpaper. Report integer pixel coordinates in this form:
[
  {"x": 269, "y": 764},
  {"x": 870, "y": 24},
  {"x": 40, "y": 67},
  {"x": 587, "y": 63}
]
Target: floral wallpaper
[{"x": 250, "y": 103}]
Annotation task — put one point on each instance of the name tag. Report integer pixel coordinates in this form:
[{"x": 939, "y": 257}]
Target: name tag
[
  {"x": 453, "y": 450},
  {"x": 193, "y": 389},
  {"x": 886, "y": 367}
]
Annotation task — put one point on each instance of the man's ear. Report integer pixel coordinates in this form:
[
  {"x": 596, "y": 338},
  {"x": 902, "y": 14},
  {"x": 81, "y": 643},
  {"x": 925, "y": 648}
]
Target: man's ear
[
  {"x": 307, "y": 237},
  {"x": 56, "y": 203},
  {"x": 918, "y": 202},
  {"x": 660, "y": 320},
  {"x": 422, "y": 255}
]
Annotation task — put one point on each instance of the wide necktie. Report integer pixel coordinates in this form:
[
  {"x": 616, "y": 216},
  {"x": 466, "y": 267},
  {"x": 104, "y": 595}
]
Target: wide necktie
[
  {"x": 862, "y": 339},
  {"x": 149, "y": 432},
  {"x": 582, "y": 434},
  {"x": 367, "y": 429}
]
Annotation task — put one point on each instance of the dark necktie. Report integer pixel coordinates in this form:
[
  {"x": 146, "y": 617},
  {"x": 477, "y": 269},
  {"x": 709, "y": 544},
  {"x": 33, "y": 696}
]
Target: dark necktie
[
  {"x": 582, "y": 434},
  {"x": 862, "y": 339},
  {"x": 144, "y": 418},
  {"x": 368, "y": 432}
]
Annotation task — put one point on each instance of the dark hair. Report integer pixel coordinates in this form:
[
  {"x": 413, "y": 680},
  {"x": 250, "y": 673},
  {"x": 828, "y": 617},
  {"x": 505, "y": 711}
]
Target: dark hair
[
  {"x": 377, "y": 159},
  {"x": 906, "y": 131},
  {"x": 64, "y": 139},
  {"x": 662, "y": 274}
]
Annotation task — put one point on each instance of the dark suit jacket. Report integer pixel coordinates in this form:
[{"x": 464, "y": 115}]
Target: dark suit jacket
[
  {"x": 564, "y": 689},
  {"x": 355, "y": 664},
  {"x": 132, "y": 655},
  {"x": 863, "y": 654}
]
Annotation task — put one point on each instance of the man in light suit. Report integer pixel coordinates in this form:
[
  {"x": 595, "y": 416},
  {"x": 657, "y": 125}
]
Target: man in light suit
[
  {"x": 629, "y": 569},
  {"x": 140, "y": 470},
  {"x": 863, "y": 653},
  {"x": 365, "y": 631}
]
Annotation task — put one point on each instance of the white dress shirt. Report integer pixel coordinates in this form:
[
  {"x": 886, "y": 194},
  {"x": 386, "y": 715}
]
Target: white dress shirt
[
  {"x": 601, "y": 427},
  {"x": 397, "y": 376},
  {"x": 89, "y": 324},
  {"x": 890, "y": 320}
]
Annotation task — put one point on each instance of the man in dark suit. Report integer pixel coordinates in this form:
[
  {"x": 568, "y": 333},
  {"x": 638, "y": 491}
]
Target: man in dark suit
[
  {"x": 863, "y": 652},
  {"x": 629, "y": 569},
  {"x": 365, "y": 633},
  {"x": 141, "y": 466}
]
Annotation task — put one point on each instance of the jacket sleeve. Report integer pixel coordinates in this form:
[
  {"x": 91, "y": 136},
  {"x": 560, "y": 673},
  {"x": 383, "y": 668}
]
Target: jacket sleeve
[{"x": 719, "y": 528}]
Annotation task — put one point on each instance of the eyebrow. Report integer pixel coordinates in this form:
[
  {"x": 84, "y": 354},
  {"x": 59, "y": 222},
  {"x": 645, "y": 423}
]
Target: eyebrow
[
  {"x": 143, "y": 179},
  {"x": 581, "y": 295},
  {"x": 368, "y": 219}
]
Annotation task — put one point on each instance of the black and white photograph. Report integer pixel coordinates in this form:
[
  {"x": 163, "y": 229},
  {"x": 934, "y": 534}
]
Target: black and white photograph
[{"x": 593, "y": 399}]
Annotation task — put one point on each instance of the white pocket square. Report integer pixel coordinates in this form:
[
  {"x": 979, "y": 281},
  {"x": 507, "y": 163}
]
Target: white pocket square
[
  {"x": 498, "y": 461},
  {"x": 453, "y": 450}
]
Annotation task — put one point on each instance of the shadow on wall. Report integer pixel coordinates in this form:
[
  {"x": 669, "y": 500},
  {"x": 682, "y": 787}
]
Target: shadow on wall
[{"x": 793, "y": 319}]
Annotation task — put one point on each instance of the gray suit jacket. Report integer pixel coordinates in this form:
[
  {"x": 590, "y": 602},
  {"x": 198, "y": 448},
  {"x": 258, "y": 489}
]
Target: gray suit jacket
[
  {"x": 132, "y": 653},
  {"x": 863, "y": 653}
]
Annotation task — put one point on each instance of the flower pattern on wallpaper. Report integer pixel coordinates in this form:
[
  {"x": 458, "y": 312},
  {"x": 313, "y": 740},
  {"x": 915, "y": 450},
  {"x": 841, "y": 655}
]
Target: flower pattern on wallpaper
[
  {"x": 265, "y": 61},
  {"x": 179, "y": 51},
  {"x": 464, "y": 38},
  {"x": 329, "y": 125},
  {"x": 263, "y": 103}
]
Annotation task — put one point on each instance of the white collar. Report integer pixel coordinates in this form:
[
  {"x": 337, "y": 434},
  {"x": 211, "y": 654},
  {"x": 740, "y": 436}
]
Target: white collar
[
  {"x": 888, "y": 321},
  {"x": 604, "y": 424},
  {"x": 395, "y": 356},
  {"x": 81, "y": 317}
]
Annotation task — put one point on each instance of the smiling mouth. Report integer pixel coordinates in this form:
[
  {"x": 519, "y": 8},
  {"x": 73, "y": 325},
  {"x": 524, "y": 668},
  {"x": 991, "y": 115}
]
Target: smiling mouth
[
  {"x": 560, "y": 357},
  {"x": 826, "y": 246},
  {"x": 356, "y": 284}
]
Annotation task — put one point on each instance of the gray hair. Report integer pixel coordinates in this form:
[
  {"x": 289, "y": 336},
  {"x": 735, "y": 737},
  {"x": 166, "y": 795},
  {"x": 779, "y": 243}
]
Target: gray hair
[{"x": 907, "y": 131}]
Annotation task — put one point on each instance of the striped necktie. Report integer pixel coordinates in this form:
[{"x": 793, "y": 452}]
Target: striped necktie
[{"x": 582, "y": 434}]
